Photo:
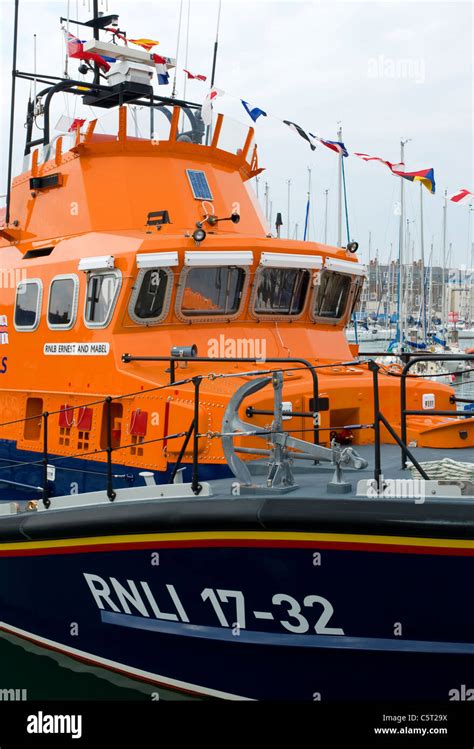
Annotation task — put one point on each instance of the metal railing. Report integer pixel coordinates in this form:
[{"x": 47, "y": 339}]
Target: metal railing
[
  {"x": 404, "y": 412},
  {"x": 193, "y": 430},
  {"x": 173, "y": 360}
]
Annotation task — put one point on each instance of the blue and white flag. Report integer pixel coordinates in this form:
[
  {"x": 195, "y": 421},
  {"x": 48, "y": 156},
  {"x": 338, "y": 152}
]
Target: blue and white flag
[
  {"x": 253, "y": 112},
  {"x": 335, "y": 145}
]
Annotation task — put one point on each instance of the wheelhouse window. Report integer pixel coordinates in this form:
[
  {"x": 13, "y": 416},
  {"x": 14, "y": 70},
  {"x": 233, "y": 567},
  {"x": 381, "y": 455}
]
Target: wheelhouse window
[
  {"x": 357, "y": 294},
  {"x": 332, "y": 294},
  {"x": 101, "y": 296},
  {"x": 212, "y": 291},
  {"x": 281, "y": 291},
  {"x": 28, "y": 304},
  {"x": 63, "y": 302},
  {"x": 150, "y": 299}
]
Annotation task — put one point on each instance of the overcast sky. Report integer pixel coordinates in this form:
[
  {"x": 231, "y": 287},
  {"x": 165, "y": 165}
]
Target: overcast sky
[{"x": 386, "y": 70}]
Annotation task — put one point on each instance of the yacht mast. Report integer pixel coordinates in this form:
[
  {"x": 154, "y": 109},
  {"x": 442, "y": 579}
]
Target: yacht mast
[
  {"x": 443, "y": 299},
  {"x": 339, "y": 193},
  {"x": 326, "y": 217},
  {"x": 400, "y": 301},
  {"x": 288, "y": 182},
  {"x": 422, "y": 269}
]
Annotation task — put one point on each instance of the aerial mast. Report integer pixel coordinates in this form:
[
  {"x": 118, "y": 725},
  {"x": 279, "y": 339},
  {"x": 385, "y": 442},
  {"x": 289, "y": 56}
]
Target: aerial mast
[
  {"x": 12, "y": 113},
  {"x": 339, "y": 193},
  {"x": 308, "y": 208},
  {"x": 214, "y": 61},
  {"x": 288, "y": 182}
]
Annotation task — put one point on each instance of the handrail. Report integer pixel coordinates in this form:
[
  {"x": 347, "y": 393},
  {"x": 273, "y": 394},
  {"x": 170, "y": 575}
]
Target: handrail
[
  {"x": 126, "y": 358},
  {"x": 78, "y": 88},
  {"x": 404, "y": 412},
  {"x": 193, "y": 429},
  {"x": 378, "y": 419}
]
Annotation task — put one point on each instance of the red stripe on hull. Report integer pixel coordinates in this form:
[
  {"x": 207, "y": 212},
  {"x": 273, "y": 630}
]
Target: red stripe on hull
[{"x": 210, "y": 543}]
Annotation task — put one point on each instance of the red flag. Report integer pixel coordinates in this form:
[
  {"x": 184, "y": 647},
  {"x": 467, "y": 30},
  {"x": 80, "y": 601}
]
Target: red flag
[
  {"x": 76, "y": 125},
  {"x": 462, "y": 196},
  {"x": 192, "y": 76},
  {"x": 75, "y": 49}
]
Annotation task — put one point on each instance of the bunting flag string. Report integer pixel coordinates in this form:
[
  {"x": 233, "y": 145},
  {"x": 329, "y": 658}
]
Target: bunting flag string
[
  {"x": 146, "y": 44},
  {"x": 425, "y": 176},
  {"x": 335, "y": 145},
  {"x": 299, "y": 130},
  {"x": 366, "y": 157},
  {"x": 206, "y": 109},
  {"x": 74, "y": 47},
  {"x": 194, "y": 76},
  {"x": 253, "y": 112},
  {"x": 161, "y": 69}
]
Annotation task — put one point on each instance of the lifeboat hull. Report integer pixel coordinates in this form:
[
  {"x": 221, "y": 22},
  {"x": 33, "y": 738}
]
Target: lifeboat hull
[{"x": 197, "y": 597}]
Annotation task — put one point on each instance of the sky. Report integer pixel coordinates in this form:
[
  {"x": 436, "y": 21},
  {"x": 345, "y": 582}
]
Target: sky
[{"x": 384, "y": 70}]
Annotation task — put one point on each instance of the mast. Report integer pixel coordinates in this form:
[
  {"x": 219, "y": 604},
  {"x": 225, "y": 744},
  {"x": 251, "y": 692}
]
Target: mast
[
  {"x": 34, "y": 67},
  {"x": 214, "y": 61},
  {"x": 400, "y": 304},
  {"x": 443, "y": 298},
  {"x": 95, "y": 31},
  {"x": 370, "y": 269},
  {"x": 326, "y": 217},
  {"x": 308, "y": 208},
  {"x": 339, "y": 193},
  {"x": 12, "y": 114},
  {"x": 469, "y": 266},
  {"x": 173, "y": 92},
  {"x": 430, "y": 285},
  {"x": 422, "y": 268},
  {"x": 288, "y": 182}
]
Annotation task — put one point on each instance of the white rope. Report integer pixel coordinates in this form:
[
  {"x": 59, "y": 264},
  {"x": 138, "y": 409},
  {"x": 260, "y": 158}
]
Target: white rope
[{"x": 445, "y": 469}]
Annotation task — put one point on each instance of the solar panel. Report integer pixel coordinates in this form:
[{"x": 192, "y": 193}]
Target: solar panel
[{"x": 199, "y": 186}]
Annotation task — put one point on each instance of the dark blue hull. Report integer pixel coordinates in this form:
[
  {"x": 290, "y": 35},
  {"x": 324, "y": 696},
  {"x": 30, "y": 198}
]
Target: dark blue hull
[
  {"x": 22, "y": 469},
  {"x": 250, "y": 613}
]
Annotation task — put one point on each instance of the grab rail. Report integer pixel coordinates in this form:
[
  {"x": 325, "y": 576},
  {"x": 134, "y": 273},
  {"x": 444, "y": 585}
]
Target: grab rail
[
  {"x": 193, "y": 430},
  {"x": 126, "y": 358},
  {"x": 404, "y": 412}
]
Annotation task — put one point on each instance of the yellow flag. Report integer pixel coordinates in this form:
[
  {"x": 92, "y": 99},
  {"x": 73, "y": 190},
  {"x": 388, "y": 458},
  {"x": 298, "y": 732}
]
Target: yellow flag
[{"x": 145, "y": 43}]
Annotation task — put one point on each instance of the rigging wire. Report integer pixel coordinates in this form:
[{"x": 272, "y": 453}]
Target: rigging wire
[
  {"x": 345, "y": 199},
  {"x": 66, "y": 57},
  {"x": 173, "y": 93},
  {"x": 187, "y": 49}
]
